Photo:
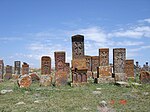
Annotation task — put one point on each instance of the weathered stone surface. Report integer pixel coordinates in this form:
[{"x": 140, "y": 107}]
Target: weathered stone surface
[
  {"x": 25, "y": 68},
  {"x": 61, "y": 78},
  {"x": 79, "y": 76},
  {"x": 67, "y": 69},
  {"x": 94, "y": 62},
  {"x": 8, "y": 74},
  {"x": 45, "y": 65},
  {"x": 17, "y": 67},
  {"x": 104, "y": 71},
  {"x": 59, "y": 60},
  {"x": 20, "y": 103},
  {"x": 105, "y": 79},
  {"x": 88, "y": 62},
  {"x": 34, "y": 77},
  {"x": 77, "y": 46},
  {"x": 145, "y": 76},
  {"x": 104, "y": 57},
  {"x": 24, "y": 81},
  {"x": 45, "y": 80},
  {"x": 1, "y": 69},
  {"x": 79, "y": 64},
  {"x": 119, "y": 56},
  {"x": 129, "y": 68},
  {"x": 89, "y": 74}
]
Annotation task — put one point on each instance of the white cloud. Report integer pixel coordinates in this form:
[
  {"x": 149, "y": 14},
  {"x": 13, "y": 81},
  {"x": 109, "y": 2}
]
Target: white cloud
[{"x": 147, "y": 20}]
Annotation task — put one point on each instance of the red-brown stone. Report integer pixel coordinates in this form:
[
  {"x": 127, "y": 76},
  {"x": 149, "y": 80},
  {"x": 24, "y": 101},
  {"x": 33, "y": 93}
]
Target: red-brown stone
[{"x": 24, "y": 81}]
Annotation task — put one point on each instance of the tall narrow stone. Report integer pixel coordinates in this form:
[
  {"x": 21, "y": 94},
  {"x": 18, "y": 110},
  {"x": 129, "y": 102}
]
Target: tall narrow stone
[
  {"x": 67, "y": 69},
  {"x": 45, "y": 65},
  {"x": 8, "y": 74},
  {"x": 104, "y": 56},
  {"x": 77, "y": 46},
  {"x": 25, "y": 68},
  {"x": 119, "y": 56},
  {"x": 1, "y": 69},
  {"x": 95, "y": 63},
  {"x": 129, "y": 68},
  {"x": 59, "y": 61},
  {"x": 17, "y": 67}
]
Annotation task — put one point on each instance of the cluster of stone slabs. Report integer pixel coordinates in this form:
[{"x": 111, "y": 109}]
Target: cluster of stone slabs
[{"x": 82, "y": 66}]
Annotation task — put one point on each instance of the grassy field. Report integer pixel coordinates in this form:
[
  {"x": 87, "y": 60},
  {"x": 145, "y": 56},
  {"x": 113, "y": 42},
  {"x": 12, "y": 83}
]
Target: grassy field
[{"x": 74, "y": 99}]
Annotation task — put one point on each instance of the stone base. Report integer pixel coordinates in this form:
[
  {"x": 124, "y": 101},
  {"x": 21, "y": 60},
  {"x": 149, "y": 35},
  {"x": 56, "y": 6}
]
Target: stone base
[
  {"x": 106, "y": 79},
  {"x": 104, "y": 71},
  {"x": 61, "y": 78},
  {"x": 120, "y": 77},
  {"x": 45, "y": 80}
]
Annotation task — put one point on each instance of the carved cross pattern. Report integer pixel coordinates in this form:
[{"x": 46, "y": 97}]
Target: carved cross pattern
[
  {"x": 78, "y": 48},
  {"x": 104, "y": 58}
]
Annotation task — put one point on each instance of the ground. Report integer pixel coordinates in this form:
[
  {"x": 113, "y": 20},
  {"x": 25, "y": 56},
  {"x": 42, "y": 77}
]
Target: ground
[{"x": 74, "y": 99}]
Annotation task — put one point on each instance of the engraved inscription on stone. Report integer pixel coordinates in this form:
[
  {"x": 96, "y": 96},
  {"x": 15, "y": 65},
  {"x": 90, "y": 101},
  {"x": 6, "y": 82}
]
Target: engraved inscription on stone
[
  {"x": 8, "y": 74},
  {"x": 77, "y": 46},
  {"x": 104, "y": 57}
]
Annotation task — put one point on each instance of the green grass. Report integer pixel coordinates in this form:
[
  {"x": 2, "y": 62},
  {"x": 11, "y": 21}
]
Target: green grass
[{"x": 73, "y": 99}]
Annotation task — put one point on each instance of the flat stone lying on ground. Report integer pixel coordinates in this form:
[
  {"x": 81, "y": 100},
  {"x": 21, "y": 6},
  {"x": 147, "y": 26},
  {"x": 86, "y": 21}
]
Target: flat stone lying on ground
[{"x": 6, "y": 91}]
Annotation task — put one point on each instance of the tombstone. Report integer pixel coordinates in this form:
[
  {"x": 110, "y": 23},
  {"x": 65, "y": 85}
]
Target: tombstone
[
  {"x": 67, "y": 69},
  {"x": 104, "y": 57},
  {"x": 129, "y": 68},
  {"x": 8, "y": 74},
  {"x": 45, "y": 65},
  {"x": 1, "y": 69},
  {"x": 61, "y": 78},
  {"x": 25, "y": 68},
  {"x": 79, "y": 71},
  {"x": 17, "y": 67},
  {"x": 88, "y": 64},
  {"x": 94, "y": 64},
  {"x": 119, "y": 56},
  {"x": 77, "y": 46},
  {"x": 24, "y": 81},
  {"x": 59, "y": 61}
]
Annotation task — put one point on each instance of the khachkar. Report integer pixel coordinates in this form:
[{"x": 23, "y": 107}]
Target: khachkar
[
  {"x": 119, "y": 56},
  {"x": 8, "y": 74},
  {"x": 88, "y": 64},
  {"x": 79, "y": 65},
  {"x": 129, "y": 68},
  {"x": 59, "y": 60},
  {"x": 104, "y": 72},
  {"x": 1, "y": 69},
  {"x": 77, "y": 46},
  {"x": 94, "y": 65},
  {"x": 25, "y": 68},
  {"x": 61, "y": 75},
  {"x": 17, "y": 67},
  {"x": 45, "y": 65}
]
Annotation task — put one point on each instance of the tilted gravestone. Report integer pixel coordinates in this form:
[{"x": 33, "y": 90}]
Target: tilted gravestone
[{"x": 119, "y": 56}]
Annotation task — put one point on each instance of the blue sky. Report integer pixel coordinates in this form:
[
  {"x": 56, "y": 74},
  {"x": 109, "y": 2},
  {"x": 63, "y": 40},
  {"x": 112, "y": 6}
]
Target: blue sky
[{"x": 30, "y": 29}]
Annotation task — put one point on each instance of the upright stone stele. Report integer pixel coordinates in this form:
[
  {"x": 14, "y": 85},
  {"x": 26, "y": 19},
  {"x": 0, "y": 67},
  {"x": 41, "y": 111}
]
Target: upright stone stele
[
  {"x": 1, "y": 69},
  {"x": 119, "y": 56},
  {"x": 25, "y": 68},
  {"x": 45, "y": 65}
]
